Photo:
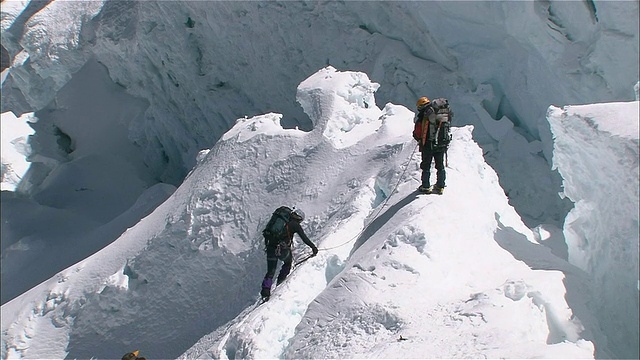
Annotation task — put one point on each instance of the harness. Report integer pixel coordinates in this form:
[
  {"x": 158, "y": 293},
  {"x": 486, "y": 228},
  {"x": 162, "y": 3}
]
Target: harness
[{"x": 287, "y": 242}]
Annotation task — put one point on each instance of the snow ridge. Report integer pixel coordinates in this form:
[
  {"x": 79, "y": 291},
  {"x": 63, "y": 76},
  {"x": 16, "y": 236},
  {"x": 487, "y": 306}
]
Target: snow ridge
[{"x": 403, "y": 277}]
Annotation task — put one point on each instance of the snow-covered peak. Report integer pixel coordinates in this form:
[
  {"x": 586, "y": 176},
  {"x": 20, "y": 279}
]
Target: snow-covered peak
[
  {"x": 345, "y": 115},
  {"x": 245, "y": 128},
  {"x": 340, "y": 105}
]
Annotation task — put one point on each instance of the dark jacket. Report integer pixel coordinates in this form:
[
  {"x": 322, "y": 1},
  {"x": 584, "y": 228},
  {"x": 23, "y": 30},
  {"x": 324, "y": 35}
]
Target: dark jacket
[{"x": 294, "y": 227}]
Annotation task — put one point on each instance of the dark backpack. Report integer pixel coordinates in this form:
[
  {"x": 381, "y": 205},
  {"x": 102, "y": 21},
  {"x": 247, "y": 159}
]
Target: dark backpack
[
  {"x": 442, "y": 129},
  {"x": 277, "y": 227}
]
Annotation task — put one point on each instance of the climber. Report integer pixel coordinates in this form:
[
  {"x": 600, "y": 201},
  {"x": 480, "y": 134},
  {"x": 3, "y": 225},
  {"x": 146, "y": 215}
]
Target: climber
[{"x": 278, "y": 236}]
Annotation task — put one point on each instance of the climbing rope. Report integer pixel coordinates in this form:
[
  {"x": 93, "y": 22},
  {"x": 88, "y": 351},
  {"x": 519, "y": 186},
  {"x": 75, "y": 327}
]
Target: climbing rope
[
  {"x": 380, "y": 208},
  {"x": 304, "y": 259},
  {"x": 309, "y": 256}
]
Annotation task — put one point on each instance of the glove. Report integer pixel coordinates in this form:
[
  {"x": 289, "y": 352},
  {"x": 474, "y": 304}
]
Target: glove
[{"x": 315, "y": 251}]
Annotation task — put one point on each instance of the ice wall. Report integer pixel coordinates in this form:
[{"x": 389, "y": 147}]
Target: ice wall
[{"x": 596, "y": 152}]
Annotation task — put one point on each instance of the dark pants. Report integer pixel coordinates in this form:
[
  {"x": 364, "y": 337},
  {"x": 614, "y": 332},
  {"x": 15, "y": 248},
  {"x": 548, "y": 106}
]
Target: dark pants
[
  {"x": 425, "y": 165},
  {"x": 274, "y": 253}
]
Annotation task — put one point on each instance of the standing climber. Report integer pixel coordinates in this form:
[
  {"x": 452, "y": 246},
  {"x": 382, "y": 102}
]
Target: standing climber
[
  {"x": 278, "y": 237},
  {"x": 432, "y": 130}
]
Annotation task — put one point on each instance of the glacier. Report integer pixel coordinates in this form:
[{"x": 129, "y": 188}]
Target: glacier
[
  {"x": 171, "y": 78},
  {"x": 174, "y": 76},
  {"x": 195, "y": 263},
  {"x": 206, "y": 64}
]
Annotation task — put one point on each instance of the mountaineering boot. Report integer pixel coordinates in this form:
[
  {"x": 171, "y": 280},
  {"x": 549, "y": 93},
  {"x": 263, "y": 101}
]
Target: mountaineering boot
[
  {"x": 266, "y": 288},
  {"x": 438, "y": 190},
  {"x": 425, "y": 189},
  {"x": 265, "y": 293}
]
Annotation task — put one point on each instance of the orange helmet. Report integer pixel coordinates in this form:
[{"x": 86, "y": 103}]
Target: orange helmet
[{"x": 422, "y": 102}]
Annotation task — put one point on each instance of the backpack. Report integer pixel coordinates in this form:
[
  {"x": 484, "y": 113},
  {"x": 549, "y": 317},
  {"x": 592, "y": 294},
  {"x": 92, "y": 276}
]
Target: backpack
[
  {"x": 441, "y": 132},
  {"x": 277, "y": 227}
]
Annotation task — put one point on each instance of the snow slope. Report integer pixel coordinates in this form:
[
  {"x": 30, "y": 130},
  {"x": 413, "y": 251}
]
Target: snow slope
[{"x": 196, "y": 262}]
